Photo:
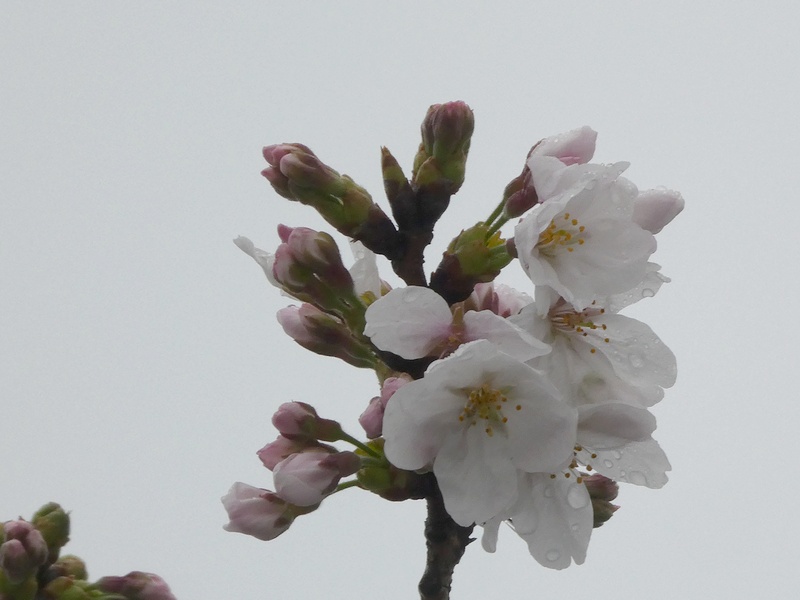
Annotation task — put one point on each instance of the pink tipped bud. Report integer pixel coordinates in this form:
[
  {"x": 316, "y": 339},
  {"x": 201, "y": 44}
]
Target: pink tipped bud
[
  {"x": 306, "y": 479},
  {"x": 441, "y": 160},
  {"x": 259, "y": 513},
  {"x": 307, "y": 255},
  {"x": 299, "y": 421},
  {"x": 573, "y": 147},
  {"x": 372, "y": 418},
  {"x": 654, "y": 209},
  {"x": 602, "y": 491},
  {"x": 23, "y": 551},
  {"x": 137, "y": 585},
  {"x": 274, "y": 452},
  {"x": 447, "y": 129}
]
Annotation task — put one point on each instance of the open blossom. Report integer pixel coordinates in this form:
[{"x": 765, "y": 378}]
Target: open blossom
[
  {"x": 610, "y": 368},
  {"x": 413, "y": 322},
  {"x": 581, "y": 239},
  {"x": 478, "y": 417},
  {"x": 598, "y": 355}
]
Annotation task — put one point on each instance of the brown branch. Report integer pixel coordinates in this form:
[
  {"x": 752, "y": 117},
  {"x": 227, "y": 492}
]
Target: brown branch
[{"x": 446, "y": 541}]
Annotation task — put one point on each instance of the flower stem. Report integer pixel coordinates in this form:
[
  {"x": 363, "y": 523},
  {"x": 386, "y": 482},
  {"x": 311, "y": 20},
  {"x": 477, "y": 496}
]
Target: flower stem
[
  {"x": 495, "y": 213},
  {"x": 346, "y": 484},
  {"x": 345, "y": 437},
  {"x": 496, "y": 227}
]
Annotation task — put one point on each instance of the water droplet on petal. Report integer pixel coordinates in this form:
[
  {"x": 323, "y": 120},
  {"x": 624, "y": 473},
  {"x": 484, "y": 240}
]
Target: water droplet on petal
[
  {"x": 617, "y": 454},
  {"x": 574, "y": 527},
  {"x": 637, "y": 478},
  {"x": 608, "y": 463},
  {"x": 636, "y": 360},
  {"x": 648, "y": 293},
  {"x": 553, "y": 555},
  {"x": 548, "y": 491},
  {"x": 576, "y": 497}
]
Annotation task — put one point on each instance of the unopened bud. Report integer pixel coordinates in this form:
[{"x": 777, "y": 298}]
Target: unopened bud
[
  {"x": 602, "y": 491},
  {"x": 317, "y": 251},
  {"x": 305, "y": 479},
  {"x": 441, "y": 160},
  {"x": 372, "y": 418},
  {"x": 274, "y": 452},
  {"x": 470, "y": 258},
  {"x": 298, "y": 420},
  {"x": 23, "y": 551},
  {"x": 325, "y": 334},
  {"x": 296, "y": 173},
  {"x": 68, "y": 566},
  {"x": 519, "y": 195},
  {"x": 137, "y": 585},
  {"x": 259, "y": 513},
  {"x": 65, "y": 587},
  {"x": 53, "y": 522}
]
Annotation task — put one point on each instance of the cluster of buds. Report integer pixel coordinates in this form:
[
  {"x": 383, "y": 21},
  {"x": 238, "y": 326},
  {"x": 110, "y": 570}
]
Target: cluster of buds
[
  {"x": 495, "y": 405},
  {"x": 31, "y": 567},
  {"x": 306, "y": 469}
]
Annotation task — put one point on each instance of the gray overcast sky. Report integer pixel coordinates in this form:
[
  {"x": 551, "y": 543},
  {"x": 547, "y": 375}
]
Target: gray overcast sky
[{"x": 140, "y": 361}]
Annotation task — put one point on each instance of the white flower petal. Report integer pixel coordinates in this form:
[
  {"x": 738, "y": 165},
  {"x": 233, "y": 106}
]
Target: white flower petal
[
  {"x": 414, "y": 422},
  {"x": 655, "y": 209},
  {"x": 511, "y": 339},
  {"x": 575, "y": 146},
  {"x": 542, "y": 432},
  {"x": 611, "y": 426},
  {"x": 475, "y": 475},
  {"x": 409, "y": 322},
  {"x": 637, "y": 354},
  {"x": 265, "y": 260},
  {"x": 490, "y": 531},
  {"x": 555, "y": 518},
  {"x": 641, "y": 463},
  {"x": 647, "y": 288},
  {"x": 365, "y": 270}
]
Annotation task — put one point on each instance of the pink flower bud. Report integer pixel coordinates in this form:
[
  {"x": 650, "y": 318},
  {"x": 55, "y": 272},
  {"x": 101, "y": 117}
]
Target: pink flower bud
[
  {"x": 23, "y": 551},
  {"x": 137, "y": 585},
  {"x": 372, "y": 418},
  {"x": 283, "y": 447},
  {"x": 299, "y": 421},
  {"x": 305, "y": 479},
  {"x": 259, "y": 513},
  {"x": 654, "y": 209}
]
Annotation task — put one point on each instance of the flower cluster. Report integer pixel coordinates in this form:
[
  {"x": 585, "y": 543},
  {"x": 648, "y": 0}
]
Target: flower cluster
[
  {"x": 31, "y": 567},
  {"x": 524, "y": 407}
]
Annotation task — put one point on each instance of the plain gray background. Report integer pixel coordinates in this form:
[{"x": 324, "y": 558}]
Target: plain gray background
[{"x": 140, "y": 361}]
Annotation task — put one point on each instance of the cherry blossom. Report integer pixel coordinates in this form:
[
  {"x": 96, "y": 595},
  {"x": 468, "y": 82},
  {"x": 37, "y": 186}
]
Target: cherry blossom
[
  {"x": 414, "y": 322},
  {"x": 581, "y": 239},
  {"x": 476, "y": 418}
]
